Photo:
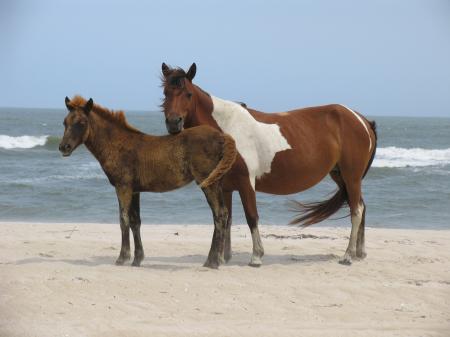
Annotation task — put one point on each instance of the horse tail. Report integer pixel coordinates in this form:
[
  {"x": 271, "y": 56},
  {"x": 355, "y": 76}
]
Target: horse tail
[
  {"x": 229, "y": 153},
  {"x": 373, "y": 126},
  {"x": 315, "y": 212}
]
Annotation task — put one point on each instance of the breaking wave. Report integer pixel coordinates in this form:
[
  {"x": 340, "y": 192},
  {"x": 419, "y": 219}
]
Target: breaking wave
[
  {"x": 416, "y": 157},
  {"x": 28, "y": 142}
]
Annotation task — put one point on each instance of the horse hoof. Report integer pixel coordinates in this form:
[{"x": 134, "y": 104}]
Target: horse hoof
[
  {"x": 136, "y": 263},
  {"x": 361, "y": 255},
  {"x": 120, "y": 262},
  {"x": 345, "y": 261},
  {"x": 255, "y": 262},
  {"x": 222, "y": 260},
  {"x": 211, "y": 265}
]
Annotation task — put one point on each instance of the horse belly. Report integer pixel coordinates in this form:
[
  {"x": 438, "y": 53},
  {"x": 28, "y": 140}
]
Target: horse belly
[
  {"x": 299, "y": 169},
  {"x": 296, "y": 179}
]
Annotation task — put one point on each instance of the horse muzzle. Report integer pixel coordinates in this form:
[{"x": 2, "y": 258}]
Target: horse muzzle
[
  {"x": 65, "y": 149},
  {"x": 174, "y": 125}
]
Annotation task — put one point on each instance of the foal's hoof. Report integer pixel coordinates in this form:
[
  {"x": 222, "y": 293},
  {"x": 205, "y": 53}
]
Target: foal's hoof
[
  {"x": 211, "y": 265},
  {"x": 138, "y": 258},
  {"x": 361, "y": 255},
  {"x": 136, "y": 263},
  {"x": 345, "y": 262},
  {"x": 227, "y": 257},
  {"x": 120, "y": 262}
]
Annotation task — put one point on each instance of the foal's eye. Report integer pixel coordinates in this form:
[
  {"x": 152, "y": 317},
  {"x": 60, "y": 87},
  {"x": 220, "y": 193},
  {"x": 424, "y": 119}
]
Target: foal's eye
[{"x": 189, "y": 94}]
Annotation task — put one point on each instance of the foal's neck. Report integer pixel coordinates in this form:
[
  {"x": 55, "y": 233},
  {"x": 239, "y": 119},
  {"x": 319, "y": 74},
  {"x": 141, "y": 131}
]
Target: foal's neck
[{"x": 104, "y": 137}]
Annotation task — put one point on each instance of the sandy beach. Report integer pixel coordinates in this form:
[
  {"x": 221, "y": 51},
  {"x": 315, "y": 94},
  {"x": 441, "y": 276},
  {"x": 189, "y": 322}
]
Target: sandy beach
[{"x": 60, "y": 280}]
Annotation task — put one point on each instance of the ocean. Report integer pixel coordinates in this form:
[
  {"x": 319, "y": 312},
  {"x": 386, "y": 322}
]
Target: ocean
[{"x": 408, "y": 185}]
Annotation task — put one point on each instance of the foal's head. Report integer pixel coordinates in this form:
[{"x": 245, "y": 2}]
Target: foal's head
[
  {"x": 178, "y": 96},
  {"x": 76, "y": 128}
]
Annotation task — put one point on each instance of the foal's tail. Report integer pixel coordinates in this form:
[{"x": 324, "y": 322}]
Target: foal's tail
[
  {"x": 229, "y": 153},
  {"x": 315, "y": 212}
]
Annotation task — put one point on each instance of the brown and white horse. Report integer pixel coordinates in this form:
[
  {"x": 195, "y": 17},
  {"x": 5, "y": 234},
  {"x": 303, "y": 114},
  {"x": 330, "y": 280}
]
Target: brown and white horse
[{"x": 281, "y": 153}]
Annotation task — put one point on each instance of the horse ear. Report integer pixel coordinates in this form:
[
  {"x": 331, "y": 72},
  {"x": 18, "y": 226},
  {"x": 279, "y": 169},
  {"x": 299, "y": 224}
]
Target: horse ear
[
  {"x": 165, "y": 69},
  {"x": 191, "y": 72},
  {"x": 88, "y": 106},
  {"x": 68, "y": 105}
]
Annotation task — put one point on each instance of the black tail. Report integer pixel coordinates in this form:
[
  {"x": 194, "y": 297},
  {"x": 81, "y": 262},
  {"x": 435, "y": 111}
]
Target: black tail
[
  {"x": 315, "y": 212},
  {"x": 373, "y": 126}
]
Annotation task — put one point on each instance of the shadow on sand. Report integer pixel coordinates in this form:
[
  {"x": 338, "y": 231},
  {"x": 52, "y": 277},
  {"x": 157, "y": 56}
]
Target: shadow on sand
[{"x": 172, "y": 263}]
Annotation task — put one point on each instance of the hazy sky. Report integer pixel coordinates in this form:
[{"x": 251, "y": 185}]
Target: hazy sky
[{"x": 379, "y": 57}]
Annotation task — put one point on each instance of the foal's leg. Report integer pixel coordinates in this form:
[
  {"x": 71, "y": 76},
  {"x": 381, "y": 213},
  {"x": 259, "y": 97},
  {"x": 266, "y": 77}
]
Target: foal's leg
[
  {"x": 214, "y": 196},
  {"x": 360, "y": 242},
  {"x": 228, "y": 197},
  {"x": 135, "y": 223},
  {"x": 248, "y": 198},
  {"x": 124, "y": 196},
  {"x": 357, "y": 210}
]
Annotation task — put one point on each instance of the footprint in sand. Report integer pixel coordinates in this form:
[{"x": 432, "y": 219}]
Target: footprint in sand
[{"x": 45, "y": 255}]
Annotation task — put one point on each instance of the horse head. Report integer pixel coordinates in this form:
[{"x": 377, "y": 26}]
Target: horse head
[
  {"x": 179, "y": 100},
  {"x": 76, "y": 125}
]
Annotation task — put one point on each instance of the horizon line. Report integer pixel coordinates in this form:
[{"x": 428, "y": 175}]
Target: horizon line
[{"x": 159, "y": 111}]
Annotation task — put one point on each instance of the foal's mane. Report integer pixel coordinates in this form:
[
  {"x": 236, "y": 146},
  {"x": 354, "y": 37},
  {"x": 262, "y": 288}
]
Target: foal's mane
[{"x": 117, "y": 117}]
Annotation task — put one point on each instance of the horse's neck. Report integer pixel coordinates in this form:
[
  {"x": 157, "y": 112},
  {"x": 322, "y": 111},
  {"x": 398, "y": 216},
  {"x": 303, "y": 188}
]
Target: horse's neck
[
  {"x": 203, "y": 113},
  {"x": 102, "y": 138},
  {"x": 203, "y": 110}
]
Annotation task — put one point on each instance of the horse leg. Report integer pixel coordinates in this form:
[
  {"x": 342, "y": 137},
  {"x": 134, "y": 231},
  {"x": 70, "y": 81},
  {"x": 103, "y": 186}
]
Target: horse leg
[
  {"x": 356, "y": 211},
  {"x": 360, "y": 242},
  {"x": 228, "y": 197},
  {"x": 214, "y": 196},
  {"x": 135, "y": 223},
  {"x": 124, "y": 197},
  {"x": 248, "y": 198}
]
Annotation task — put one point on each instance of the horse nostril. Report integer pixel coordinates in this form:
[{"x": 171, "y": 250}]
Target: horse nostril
[
  {"x": 179, "y": 119},
  {"x": 167, "y": 120}
]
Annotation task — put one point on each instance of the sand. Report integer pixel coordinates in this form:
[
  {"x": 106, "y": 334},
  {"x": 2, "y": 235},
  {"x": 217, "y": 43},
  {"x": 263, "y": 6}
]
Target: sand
[{"x": 60, "y": 280}]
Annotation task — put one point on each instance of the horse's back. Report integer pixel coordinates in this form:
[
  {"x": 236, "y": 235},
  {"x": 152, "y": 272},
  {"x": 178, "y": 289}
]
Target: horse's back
[{"x": 320, "y": 138}]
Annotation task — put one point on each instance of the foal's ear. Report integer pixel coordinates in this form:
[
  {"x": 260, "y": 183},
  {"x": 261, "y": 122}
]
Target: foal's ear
[
  {"x": 165, "y": 69},
  {"x": 68, "y": 105},
  {"x": 88, "y": 106},
  {"x": 191, "y": 72}
]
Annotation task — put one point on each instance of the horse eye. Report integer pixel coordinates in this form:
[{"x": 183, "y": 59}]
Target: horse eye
[{"x": 189, "y": 94}]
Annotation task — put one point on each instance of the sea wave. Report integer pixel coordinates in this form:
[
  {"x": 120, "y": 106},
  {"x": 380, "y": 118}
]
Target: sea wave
[
  {"x": 416, "y": 157},
  {"x": 28, "y": 142},
  {"x": 392, "y": 156},
  {"x": 21, "y": 142}
]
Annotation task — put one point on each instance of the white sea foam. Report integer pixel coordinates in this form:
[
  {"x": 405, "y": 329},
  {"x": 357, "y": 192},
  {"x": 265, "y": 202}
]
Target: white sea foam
[
  {"x": 416, "y": 157},
  {"x": 21, "y": 142}
]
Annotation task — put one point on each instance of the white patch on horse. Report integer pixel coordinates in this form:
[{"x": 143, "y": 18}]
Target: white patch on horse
[
  {"x": 357, "y": 216},
  {"x": 256, "y": 142},
  {"x": 363, "y": 123}
]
